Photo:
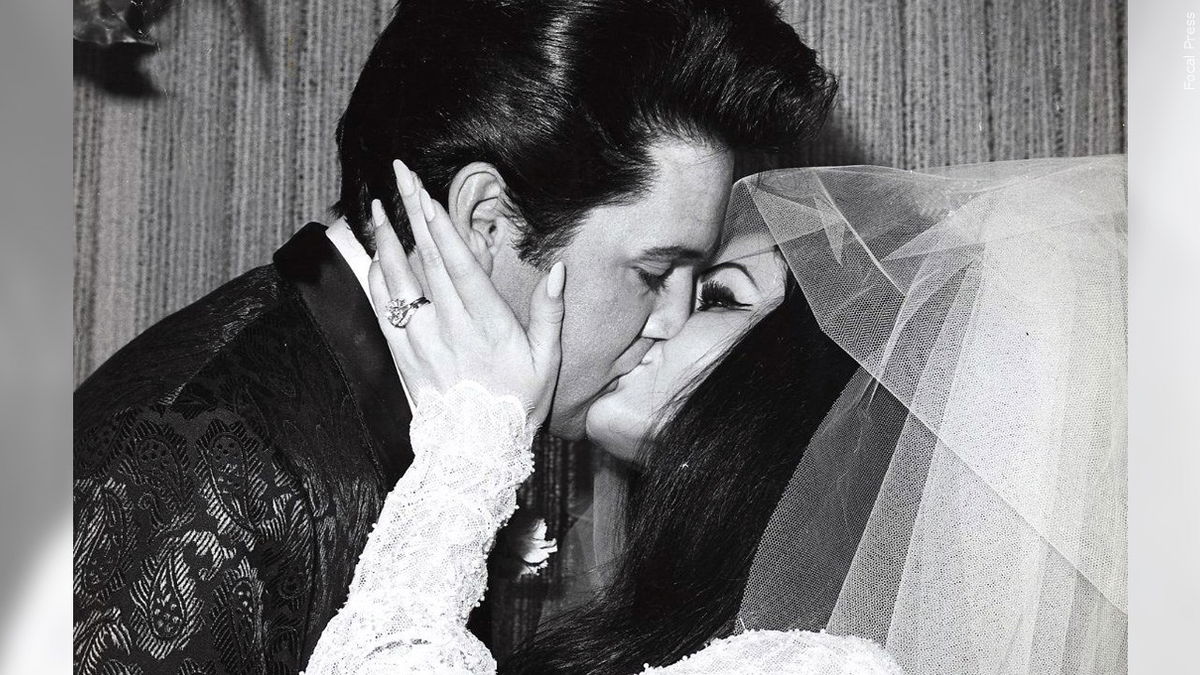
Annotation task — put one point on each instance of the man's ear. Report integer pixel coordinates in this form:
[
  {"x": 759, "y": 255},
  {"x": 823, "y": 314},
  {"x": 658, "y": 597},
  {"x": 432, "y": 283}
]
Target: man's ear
[{"x": 480, "y": 212}]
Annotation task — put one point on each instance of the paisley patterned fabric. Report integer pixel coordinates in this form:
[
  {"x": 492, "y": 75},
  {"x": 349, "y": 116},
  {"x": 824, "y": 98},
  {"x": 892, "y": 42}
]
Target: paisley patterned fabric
[{"x": 229, "y": 463}]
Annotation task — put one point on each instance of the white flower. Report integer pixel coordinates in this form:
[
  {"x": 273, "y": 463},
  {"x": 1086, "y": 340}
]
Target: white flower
[{"x": 534, "y": 548}]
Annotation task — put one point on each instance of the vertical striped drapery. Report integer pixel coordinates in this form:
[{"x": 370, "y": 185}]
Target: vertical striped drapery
[{"x": 176, "y": 194}]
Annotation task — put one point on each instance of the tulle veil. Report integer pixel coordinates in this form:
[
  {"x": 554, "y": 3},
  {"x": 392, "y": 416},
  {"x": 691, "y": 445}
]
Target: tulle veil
[{"x": 964, "y": 502}]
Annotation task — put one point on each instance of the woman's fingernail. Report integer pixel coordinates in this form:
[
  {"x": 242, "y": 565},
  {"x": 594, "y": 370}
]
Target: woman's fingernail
[
  {"x": 427, "y": 206},
  {"x": 377, "y": 213},
  {"x": 558, "y": 278},
  {"x": 404, "y": 176}
]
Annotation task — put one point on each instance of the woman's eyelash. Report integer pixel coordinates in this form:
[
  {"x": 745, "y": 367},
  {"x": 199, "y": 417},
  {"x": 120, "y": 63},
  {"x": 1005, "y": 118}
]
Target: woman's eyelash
[
  {"x": 714, "y": 295},
  {"x": 654, "y": 282}
]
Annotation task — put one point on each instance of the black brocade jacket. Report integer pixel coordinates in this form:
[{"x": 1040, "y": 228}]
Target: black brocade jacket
[{"x": 229, "y": 463}]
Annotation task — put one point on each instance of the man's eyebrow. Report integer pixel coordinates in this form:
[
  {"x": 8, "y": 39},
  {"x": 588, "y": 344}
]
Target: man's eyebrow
[{"x": 674, "y": 254}]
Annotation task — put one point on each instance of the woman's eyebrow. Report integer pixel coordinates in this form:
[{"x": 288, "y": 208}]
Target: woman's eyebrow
[{"x": 734, "y": 265}]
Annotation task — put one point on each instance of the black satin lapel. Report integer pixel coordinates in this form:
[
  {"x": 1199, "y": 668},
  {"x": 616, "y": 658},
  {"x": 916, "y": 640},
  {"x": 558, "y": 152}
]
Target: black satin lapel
[{"x": 344, "y": 315}]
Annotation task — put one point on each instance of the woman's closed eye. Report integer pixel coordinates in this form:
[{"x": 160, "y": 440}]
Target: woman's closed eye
[{"x": 716, "y": 295}]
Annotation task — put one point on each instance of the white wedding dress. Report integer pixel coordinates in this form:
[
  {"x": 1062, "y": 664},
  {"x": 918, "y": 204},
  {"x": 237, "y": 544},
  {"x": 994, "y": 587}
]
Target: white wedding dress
[{"x": 424, "y": 566}]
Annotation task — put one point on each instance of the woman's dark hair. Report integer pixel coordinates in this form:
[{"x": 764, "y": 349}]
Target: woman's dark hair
[
  {"x": 714, "y": 475},
  {"x": 565, "y": 98}
]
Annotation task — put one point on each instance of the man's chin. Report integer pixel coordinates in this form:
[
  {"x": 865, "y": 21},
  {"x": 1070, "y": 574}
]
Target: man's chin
[
  {"x": 570, "y": 426},
  {"x": 569, "y": 421}
]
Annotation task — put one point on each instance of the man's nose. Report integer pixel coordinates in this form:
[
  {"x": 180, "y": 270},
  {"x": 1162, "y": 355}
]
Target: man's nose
[{"x": 672, "y": 311}]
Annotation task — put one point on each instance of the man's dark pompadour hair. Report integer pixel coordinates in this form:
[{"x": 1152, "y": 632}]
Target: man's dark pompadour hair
[{"x": 565, "y": 97}]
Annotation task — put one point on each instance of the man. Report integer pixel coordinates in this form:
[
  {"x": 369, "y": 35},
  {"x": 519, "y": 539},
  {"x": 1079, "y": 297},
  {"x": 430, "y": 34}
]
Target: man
[{"x": 231, "y": 460}]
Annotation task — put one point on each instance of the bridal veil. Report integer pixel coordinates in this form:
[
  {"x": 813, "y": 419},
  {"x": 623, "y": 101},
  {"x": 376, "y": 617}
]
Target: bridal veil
[{"x": 964, "y": 503}]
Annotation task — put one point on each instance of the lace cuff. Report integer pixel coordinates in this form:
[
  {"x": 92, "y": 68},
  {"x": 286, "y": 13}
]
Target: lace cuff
[{"x": 468, "y": 430}]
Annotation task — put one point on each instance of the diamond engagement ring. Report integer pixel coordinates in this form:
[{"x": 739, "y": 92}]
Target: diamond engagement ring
[{"x": 400, "y": 312}]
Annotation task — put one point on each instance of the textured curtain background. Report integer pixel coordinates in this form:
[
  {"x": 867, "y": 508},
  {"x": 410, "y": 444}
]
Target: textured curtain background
[{"x": 177, "y": 193}]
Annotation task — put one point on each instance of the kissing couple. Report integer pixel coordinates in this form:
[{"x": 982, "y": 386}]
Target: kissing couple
[{"x": 877, "y": 415}]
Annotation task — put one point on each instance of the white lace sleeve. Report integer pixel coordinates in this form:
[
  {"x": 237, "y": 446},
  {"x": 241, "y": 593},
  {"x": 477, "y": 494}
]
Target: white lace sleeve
[
  {"x": 424, "y": 566},
  {"x": 794, "y": 651}
]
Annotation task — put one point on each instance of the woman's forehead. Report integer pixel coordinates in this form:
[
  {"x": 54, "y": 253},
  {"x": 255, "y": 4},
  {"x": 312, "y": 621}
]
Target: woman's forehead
[{"x": 744, "y": 244}]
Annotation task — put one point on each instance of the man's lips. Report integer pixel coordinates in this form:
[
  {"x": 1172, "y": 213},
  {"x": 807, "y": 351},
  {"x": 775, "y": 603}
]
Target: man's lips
[{"x": 616, "y": 381}]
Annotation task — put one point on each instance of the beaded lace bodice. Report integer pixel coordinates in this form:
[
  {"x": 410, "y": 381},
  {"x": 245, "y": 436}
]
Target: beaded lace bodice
[{"x": 424, "y": 566}]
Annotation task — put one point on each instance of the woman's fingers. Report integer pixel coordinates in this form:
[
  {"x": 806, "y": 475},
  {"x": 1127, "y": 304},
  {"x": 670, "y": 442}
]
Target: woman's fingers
[
  {"x": 380, "y": 296},
  {"x": 407, "y": 185},
  {"x": 473, "y": 285},
  {"x": 397, "y": 338},
  {"x": 401, "y": 283},
  {"x": 397, "y": 274},
  {"x": 546, "y": 319},
  {"x": 440, "y": 288}
]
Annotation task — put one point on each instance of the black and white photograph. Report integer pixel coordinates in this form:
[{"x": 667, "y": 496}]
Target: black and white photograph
[{"x": 613, "y": 337}]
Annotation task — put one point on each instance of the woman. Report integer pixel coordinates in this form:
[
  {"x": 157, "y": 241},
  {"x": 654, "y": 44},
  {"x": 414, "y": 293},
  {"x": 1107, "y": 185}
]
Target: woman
[
  {"x": 740, "y": 391},
  {"x": 916, "y": 277},
  {"x": 970, "y": 476}
]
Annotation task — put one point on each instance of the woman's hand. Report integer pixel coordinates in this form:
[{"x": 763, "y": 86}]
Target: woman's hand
[{"x": 467, "y": 332}]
